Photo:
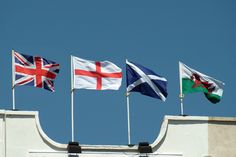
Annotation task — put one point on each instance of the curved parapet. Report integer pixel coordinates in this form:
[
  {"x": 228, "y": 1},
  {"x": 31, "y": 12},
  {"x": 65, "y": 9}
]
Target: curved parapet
[
  {"x": 21, "y": 135},
  {"x": 192, "y": 136}
]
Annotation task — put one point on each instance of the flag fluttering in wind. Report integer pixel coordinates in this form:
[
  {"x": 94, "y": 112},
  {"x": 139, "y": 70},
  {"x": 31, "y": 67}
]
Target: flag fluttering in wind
[
  {"x": 34, "y": 71},
  {"x": 194, "y": 81},
  {"x": 97, "y": 75},
  {"x": 143, "y": 80}
]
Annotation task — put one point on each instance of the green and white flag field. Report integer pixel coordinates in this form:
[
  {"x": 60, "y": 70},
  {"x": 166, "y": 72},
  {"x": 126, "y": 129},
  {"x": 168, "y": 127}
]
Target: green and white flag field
[{"x": 192, "y": 81}]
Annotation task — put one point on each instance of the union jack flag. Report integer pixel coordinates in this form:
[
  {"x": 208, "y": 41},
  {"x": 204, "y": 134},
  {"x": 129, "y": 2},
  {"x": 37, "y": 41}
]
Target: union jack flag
[{"x": 34, "y": 71}]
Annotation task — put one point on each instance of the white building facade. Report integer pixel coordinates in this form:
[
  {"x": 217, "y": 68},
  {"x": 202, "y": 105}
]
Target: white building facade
[{"x": 22, "y": 136}]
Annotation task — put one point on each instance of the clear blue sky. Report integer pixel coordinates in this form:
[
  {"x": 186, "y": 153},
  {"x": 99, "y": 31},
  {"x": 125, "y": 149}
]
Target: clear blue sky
[{"x": 156, "y": 34}]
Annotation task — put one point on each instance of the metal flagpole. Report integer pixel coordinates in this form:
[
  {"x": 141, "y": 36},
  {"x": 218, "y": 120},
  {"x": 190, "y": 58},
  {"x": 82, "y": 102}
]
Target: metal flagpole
[
  {"x": 181, "y": 96},
  {"x": 72, "y": 100},
  {"x": 128, "y": 117},
  {"x": 128, "y": 113},
  {"x": 13, "y": 81}
]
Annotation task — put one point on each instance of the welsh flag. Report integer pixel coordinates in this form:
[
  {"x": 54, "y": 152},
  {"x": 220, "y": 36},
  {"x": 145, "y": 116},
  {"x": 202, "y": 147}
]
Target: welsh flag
[{"x": 193, "y": 81}]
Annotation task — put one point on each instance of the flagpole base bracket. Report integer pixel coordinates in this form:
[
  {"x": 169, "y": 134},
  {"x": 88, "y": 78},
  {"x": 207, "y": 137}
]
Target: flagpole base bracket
[
  {"x": 183, "y": 115},
  {"x": 73, "y": 147},
  {"x": 144, "y": 147},
  {"x": 15, "y": 109}
]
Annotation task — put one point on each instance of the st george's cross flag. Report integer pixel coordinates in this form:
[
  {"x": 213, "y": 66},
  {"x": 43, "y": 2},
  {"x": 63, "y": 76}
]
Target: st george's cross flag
[
  {"x": 143, "y": 80},
  {"x": 194, "y": 81},
  {"x": 34, "y": 71},
  {"x": 96, "y": 75}
]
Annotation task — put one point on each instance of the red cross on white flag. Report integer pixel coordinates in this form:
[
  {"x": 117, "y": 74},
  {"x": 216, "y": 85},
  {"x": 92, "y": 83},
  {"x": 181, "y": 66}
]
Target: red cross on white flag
[{"x": 95, "y": 75}]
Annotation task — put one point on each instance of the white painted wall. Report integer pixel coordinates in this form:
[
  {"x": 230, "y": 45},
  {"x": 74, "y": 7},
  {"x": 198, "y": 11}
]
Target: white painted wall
[
  {"x": 22, "y": 136},
  {"x": 186, "y": 136}
]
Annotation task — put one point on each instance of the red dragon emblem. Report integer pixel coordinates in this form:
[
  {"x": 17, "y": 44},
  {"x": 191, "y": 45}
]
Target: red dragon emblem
[{"x": 199, "y": 82}]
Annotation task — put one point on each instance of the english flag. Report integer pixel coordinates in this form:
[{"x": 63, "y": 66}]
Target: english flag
[{"x": 96, "y": 75}]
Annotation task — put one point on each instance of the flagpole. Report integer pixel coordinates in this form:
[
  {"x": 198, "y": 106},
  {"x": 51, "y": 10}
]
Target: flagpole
[
  {"x": 72, "y": 102},
  {"x": 128, "y": 113},
  {"x": 128, "y": 117},
  {"x": 181, "y": 96},
  {"x": 13, "y": 81}
]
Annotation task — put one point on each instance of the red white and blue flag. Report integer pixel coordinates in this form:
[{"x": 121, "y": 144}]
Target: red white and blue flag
[{"x": 34, "y": 71}]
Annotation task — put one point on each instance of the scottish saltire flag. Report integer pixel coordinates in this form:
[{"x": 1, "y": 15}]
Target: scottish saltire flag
[
  {"x": 97, "y": 75},
  {"x": 34, "y": 71},
  {"x": 143, "y": 80}
]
